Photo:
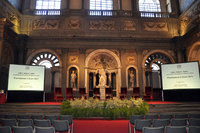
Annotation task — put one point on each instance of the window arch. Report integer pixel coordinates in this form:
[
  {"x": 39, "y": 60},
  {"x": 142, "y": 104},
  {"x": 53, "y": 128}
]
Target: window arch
[
  {"x": 101, "y": 7},
  {"x": 46, "y": 59},
  {"x": 48, "y": 7},
  {"x": 152, "y": 68}
]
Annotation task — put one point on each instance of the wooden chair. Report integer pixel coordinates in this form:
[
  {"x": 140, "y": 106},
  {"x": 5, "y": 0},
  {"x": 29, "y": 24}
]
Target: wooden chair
[
  {"x": 58, "y": 94},
  {"x": 96, "y": 93},
  {"x": 109, "y": 93},
  {"x": 82, "y": 93},
  {"x": 148, "y": 93},
  {"x": 136, "y": 92},
  {"x": 123, "y": 93},
  {"x": 69, "y": 93}
]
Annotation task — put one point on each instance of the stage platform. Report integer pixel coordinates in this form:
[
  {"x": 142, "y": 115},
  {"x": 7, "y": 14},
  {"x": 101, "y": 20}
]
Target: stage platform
[{"x": 54, "y": 107}]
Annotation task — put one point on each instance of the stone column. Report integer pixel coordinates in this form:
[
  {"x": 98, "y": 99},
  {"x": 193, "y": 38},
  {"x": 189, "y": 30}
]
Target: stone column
[
  {"x": 64, "y": 58},
  {"x": 2, "y": 29},
  {"x": 21, "y": 44},
  {"x": 94, "y": 79},
  {"x": 141, "y": 73},
  {"x": 134, "y": 5}
]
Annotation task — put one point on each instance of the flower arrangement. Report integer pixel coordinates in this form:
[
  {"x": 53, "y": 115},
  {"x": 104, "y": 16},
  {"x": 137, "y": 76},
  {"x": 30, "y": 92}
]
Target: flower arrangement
[{"x": 112, "y": 108}]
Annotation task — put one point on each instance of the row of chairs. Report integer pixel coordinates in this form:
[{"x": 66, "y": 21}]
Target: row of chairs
[
  {"x": 139, "y": 124},
  {"x": 36, "y": 120},
  {"x": 38, "y": 116},
  {"x": 165, "y": 116},
  {"x": 29, "y": 129},
  {"x": 171, "y": 129}
]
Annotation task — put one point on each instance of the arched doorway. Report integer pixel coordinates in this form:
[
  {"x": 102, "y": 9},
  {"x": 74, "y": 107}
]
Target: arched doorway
[
  {"x": 106, "y": 61},
  {"x": 152, "y": 69},
  {"x": 194, "y": 52}
]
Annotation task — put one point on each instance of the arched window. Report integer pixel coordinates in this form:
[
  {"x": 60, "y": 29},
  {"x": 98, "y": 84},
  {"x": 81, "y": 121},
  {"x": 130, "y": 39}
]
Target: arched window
[
  {"x": 149, "y": 6},
  {"x": 153, "y": 67},
  {"x": 101, "y": 7},
  {"x": 46, "y": 59},
  {"x": 48, "y": 7}
]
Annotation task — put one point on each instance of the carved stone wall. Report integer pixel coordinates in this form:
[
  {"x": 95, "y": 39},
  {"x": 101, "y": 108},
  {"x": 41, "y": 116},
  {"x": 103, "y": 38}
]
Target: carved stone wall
[
  {"x": 45, "y": 24},
  {"x": 155, "y": 26},
  {"x": 102, "y": 61},
  {"x": 101, "y": 25}
]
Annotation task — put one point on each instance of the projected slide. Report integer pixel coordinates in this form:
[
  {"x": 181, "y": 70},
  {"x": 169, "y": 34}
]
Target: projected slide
[
  {"x": 180, "y": 76},
  {"x": 26, "y": 78}
]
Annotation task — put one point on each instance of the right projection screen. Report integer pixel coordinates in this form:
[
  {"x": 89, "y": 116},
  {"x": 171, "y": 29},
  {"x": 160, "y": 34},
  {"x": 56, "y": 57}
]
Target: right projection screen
[{"x": 180, "y": 76}]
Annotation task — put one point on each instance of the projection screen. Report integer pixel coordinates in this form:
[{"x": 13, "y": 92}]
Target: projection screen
[
  {"x": 180, "y": 76},
  {"x": 26, "y": 78}
]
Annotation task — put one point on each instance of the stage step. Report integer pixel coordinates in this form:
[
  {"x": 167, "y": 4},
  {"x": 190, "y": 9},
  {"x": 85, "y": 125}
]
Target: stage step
[
  {"x": 23, "y": 108},
  {"x": 29, "y": 109},
  {"x": 183, "y": 107}
]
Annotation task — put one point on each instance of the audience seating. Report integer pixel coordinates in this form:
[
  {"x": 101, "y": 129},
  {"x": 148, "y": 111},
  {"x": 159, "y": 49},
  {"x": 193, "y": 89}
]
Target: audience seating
[
  {"x": 5, "y": 129},
  {"x": 58, "y": 96},
  {"x": 178, "y": 122},
  {"x": 194, "y": 122},
  {"x": 25, "y": 122},
  {"x": 175, "y": 129},
  {"x": 181, "y": 116},
  {"x": 38, "y": 116},
  {"x": 44, "y": 130},
  {"x": 11, "y": 116},
  {"x": 25, "y": 129},
  {"x": 70, "y": 120},
  {"x": 51, "y": 118},
  {"x": 139, "y": 124},
  {"x": 9, "y": 122},
  {"x": 61, "y": 126},
  {"x": 23, "y": 116},
  {"x": 153, "y": 130},
  {"x": 42, "y": 123},
  {"x": 160, "y": 122},
  {"x": 194, "y": 129},
  {"x": 193, "y": 115},
  {"x": 152, "y": 117},
  {"x": 165, "y": 116}
]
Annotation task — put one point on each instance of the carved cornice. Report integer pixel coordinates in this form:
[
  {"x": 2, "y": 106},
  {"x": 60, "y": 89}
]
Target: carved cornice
[
  {"x": 190, "y": 18},
  {"x": 10, "y": 13}
]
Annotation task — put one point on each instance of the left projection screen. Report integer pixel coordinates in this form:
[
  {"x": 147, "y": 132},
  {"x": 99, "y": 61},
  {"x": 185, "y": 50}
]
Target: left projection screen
[{"x": 26, "y": 78}]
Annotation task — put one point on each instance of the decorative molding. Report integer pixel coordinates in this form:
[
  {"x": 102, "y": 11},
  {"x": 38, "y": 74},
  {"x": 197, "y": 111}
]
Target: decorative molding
[
  {"x": 108, "y": 25},
  {"x": 190, "y": 18},
  {"x": 131, "y": 59},
  {"x": 41, "y": 24},
  {"x": 155, "y": 26},
  {"x": 74, "y": 24},
  {"x": 73, "y": 59},
  {"x": 129, "y": 25}
]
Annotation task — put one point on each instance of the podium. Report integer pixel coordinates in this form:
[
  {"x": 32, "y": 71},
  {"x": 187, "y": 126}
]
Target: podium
[{"x": 2, "y": 98}]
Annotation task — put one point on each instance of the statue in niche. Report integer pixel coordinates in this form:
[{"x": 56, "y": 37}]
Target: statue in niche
[
  {"x": 102, "y": 77},
  {"x": 131, "y": 79},
  {"x": 73, "y": 79}
]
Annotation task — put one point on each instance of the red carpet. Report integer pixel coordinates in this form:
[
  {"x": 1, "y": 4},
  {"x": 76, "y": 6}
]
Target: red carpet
[{"x": 101, "y": 126}]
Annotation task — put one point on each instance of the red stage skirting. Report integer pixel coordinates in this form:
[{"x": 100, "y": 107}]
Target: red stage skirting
[{"x": 59, "y": 103}]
